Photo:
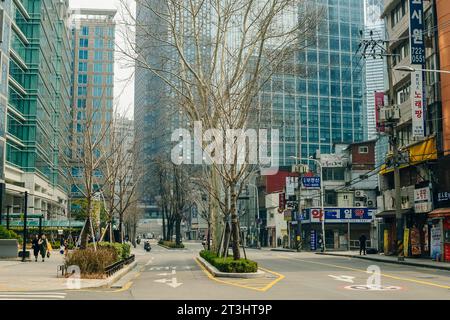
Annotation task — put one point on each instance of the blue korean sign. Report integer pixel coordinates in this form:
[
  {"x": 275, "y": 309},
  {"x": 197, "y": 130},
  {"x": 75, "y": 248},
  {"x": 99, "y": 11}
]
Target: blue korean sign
[
  {"x": 313, "y": 240},
  {"x": 416, "y": 25},
  {"x": 342, "y": 215},
  {"x": 311, "y": 182}
]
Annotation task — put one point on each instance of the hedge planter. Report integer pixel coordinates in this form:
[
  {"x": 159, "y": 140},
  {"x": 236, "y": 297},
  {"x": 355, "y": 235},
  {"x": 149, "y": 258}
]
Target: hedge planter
[
  {"x": 170, "y": 245},
  {"x": 227, "y": 267}
]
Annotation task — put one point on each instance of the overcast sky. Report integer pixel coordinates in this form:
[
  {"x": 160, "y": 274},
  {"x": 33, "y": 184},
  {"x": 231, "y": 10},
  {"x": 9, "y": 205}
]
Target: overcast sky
[{"x": 124, "y": 73}]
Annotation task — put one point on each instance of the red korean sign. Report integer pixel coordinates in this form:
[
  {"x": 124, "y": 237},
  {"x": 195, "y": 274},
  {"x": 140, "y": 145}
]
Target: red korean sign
[{"x": 417, "y": 103}]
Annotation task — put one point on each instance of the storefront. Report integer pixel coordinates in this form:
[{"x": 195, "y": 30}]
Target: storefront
[
  {"x": 440, "y": 234},
  {"x": 339, "y": 223}
]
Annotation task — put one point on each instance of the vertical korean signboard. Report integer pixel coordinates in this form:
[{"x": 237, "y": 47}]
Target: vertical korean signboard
[
  {"x": 417, "y": 52},
  {"x": 379, "y": 103}
]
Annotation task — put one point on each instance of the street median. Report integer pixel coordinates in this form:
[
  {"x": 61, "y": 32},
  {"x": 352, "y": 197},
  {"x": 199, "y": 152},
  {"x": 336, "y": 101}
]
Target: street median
[{"x": 219, "y": 274}]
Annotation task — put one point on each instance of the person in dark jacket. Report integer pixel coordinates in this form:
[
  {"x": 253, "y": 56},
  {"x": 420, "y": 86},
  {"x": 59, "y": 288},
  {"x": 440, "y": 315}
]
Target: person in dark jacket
[
  {"x": 43, "y": 245},
  {"x": 35, "y": 246},
  {"x": 362, "y": 244}
]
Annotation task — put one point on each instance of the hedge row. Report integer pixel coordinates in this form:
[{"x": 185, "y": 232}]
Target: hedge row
[
  {"x": 9, "y": 234},
  {"x": 171, "y": 244},
  {"x": 90, "y": 262},
  {"x": 229, "y": 264}
]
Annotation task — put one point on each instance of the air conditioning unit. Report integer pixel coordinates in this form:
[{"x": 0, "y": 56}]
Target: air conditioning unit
[
  {"x": 359, "y": 203},
  {"x": 360, "y": 194},
  {"x": 389, "y": 113},
  {"x": 370, "y": 203}
]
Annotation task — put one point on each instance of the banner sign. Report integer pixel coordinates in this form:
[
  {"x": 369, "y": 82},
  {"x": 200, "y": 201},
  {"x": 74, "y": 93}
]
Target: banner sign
[
  {"x": 342, "y": 215},
  {"x": 406, "y": 242},
  {"x": 332, "y": 161},
  {"x": 417, "y": 103},
  {"x": 422, "y": 200},
  {"x": 379, "y": 102},
  {"x": 311, "y": 182},
  {"x": 281, "y": 202},
  {"x": 435, "y": 242},
  {"x": 291, "y": 184},
  {"x": 313, "y": 240},
  {"x": 416, "y": 26}
]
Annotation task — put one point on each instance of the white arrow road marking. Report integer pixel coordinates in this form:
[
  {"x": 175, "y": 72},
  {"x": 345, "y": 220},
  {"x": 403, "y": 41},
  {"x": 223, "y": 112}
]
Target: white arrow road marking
[
  {"x": 170, "y": 282},
  {"x": 342, "y": 278},
  {"x": 149, "y": 262},
  {"x": 167, "y": 274}
]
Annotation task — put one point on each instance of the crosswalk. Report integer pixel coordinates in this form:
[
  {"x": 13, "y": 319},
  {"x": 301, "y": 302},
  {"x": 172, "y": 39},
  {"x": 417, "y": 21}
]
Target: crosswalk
[{"x": 32, "y": 295}]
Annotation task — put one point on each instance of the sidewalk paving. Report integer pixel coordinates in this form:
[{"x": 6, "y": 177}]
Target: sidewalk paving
[
  {"x": 417, "y": 262},
  {"x": 16, "y": 275}
]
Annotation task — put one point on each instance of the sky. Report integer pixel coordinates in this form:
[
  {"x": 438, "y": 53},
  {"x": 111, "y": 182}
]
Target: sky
[{"x": 123, "y": 72}]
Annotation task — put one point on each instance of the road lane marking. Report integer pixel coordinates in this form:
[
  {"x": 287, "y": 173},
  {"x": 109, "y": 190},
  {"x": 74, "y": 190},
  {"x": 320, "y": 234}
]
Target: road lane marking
[
  {"x": 364, "y": 271},
  {"x": 342, "y": 278},
  {"x": 257, "y": 284}
]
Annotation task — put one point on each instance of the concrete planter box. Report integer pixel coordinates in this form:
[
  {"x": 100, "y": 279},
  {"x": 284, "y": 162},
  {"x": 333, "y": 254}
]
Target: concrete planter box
[
  {"x": 216, "y": 273},
  {"x": 9, "y": 248}
]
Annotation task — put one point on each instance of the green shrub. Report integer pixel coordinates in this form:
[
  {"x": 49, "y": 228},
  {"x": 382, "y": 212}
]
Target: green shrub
[
  {"x": 9, "y": 234},
  {"x": 122, "y": 249},
  {"x": 229, "y": 264},
  {"x": 92, "y": 262},
  {"x": 171, "y": 244}
]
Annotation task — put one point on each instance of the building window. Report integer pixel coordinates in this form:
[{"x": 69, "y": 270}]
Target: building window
[
  {"x": 363, "y": 149},
  {"x": 83, "y": 54},
  {"x": 330, "y": 198},
  {"x": 84, "y": 43},
  {"x": 85, "y": 31}
]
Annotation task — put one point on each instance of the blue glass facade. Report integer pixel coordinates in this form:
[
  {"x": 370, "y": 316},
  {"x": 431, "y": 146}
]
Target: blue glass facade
[{"x": 322, "y": 103}]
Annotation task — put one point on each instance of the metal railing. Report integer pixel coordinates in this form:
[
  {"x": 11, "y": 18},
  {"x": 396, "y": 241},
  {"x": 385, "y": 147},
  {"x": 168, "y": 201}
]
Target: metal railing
[
  {"x": 354, "y": 244},
  {"x": 110, "y": 270}
]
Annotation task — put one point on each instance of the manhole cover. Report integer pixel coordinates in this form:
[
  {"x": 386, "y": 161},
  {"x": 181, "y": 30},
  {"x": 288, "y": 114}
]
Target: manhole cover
[{"x": 364, "y": 287}]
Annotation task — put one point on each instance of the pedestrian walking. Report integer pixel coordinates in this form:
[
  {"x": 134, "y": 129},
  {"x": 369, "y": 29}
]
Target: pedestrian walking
[
  {"x": 43, "y": 245},
  {"x": 362, "y": 244},
  {"x": 35, "y": 246},
  {"x": 66, "y": 247}
]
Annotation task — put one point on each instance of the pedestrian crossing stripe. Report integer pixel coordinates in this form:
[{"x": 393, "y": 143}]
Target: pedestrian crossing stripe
[{"x": 32, "y": 295}]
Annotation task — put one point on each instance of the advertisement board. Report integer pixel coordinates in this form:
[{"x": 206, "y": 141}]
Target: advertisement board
[
  {"x": 291, "y": 184},
  {"x": 379, "y": 102},
  {"x": 435, "y": 242},
  {"x": 416, "y": 27},
  {"x": 332, "y": 160},
  {"x": 417, "y": 102},
  {"x": 342, "y": 215},
  {"x": 313, "y": 240},
  {"x": 422, "y": 200}
]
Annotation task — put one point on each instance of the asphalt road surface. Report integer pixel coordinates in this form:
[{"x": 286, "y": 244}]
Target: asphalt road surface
[{"x": 166, "y": 274}]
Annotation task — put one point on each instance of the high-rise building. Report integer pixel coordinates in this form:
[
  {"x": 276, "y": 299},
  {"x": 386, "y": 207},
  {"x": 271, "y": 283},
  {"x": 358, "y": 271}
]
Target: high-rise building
[
  {"x": 418, "y": 131},
  {"x": 93, "y": 36},
  {"x": 322, "y": 104},
  {"x": 35, "y": 96},
  {"x": 375, "y": 66}
]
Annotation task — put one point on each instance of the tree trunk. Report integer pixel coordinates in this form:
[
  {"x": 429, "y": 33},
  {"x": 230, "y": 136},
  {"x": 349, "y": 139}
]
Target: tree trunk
[
  {"x": 84, "y": 234},
  {"x": 164, "y": 222},
  {"x": 209, "y": 236},
  {"x": 120, "y": 228},
  {"x": 234, "y": 225},
  {"x": 178, "y": 231},
  {"x": 226, "y": 241}
]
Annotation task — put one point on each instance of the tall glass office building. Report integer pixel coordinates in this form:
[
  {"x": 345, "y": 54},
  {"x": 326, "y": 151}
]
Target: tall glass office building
[
  {"x": 36, "y": 48},
  {"x": 322, "y": 103},
  {"x": 93, "y": 36}
]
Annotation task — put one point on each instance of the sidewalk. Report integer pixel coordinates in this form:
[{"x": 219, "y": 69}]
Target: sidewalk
[
  {"x": 417, "y": 262},
  {"x": 42, "y": 276}
]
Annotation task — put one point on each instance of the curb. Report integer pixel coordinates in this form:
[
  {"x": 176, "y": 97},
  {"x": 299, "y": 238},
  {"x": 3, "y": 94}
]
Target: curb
[
  {"x": 407, "y": 263},
  {"x": 218, "y": 274},
  {"x": 114, "y": 278},
  {"x": 283, "y": 250}
]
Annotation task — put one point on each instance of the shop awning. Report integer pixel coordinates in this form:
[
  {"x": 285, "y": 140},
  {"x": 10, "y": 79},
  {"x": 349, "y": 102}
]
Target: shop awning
[
  {"x": 441, "y": 212},
  {"x": 388, "y": 213}
]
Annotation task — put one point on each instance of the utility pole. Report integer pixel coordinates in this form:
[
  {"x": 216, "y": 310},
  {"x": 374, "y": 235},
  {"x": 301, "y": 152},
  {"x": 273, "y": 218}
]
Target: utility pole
[{"x": 380, "y": 48}]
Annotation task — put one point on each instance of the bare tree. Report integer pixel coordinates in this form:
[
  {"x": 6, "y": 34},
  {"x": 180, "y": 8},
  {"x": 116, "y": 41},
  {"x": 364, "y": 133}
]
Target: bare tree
[{"x": 214, "y": 56}]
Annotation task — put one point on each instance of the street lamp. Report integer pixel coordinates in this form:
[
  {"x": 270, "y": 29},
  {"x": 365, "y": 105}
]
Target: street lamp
[
  {"x": 321, "y": 195},
  {"x": 411, "y": 69}
]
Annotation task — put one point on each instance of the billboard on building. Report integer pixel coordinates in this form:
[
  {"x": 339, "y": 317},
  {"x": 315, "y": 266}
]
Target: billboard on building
[
  {"x": 417, "y": 103},
  {"x": 342, "y": 215}
]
